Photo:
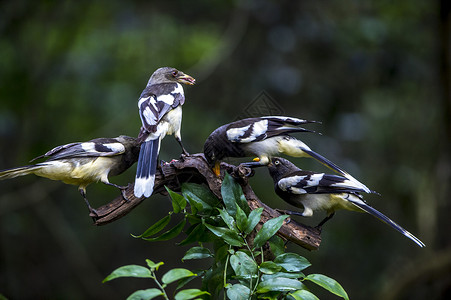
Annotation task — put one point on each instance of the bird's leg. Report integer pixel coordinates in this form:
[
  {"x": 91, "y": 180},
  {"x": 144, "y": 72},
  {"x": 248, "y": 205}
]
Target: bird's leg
[
  {"x": 91, "y": 210},
  {"x": 179, "y": 140},
  {"x": 327, "y": 218},
  {"x": 290, "y": 212},
  {"x": 251, "y": 165},
  {"x": 122, "y": 188}
]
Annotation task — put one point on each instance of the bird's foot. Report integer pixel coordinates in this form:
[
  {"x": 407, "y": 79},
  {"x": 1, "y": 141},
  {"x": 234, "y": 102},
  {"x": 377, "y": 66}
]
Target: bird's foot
[
  {"x": 184, "y": 155},
  {"x": 123, "y": 190},
  {"x": 245, "y": 170},
  {"x": 93, "y": 214}
]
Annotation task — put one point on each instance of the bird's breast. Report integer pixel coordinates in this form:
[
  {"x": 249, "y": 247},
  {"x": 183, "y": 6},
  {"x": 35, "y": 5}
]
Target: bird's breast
[
  {"x": 266, "y": 147},
  {"x": 173, "y": 119}
]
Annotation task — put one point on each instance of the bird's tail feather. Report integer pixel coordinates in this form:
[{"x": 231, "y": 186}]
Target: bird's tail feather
[
  {"x": 337, "y": 169},
  {"x": 147, "y": 166},
  {"x": 19, "y": 171},
  {"x": 387, "y": 220}
]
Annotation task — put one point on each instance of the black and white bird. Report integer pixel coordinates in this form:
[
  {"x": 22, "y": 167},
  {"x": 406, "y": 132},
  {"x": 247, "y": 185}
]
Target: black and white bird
[
  {"x": 263, "y": 137},
  {"x": 160, "y": 109},
  {"x": 319, "y": 191},
  {"x": 84, "y": 163}
]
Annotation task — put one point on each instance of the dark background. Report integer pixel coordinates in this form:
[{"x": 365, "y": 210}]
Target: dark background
[{"x": 376, "y": 73}]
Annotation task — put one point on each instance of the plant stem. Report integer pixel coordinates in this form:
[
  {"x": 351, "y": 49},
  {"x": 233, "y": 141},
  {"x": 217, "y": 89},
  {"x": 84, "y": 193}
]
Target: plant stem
[
  {"x": 225, "y": 271},
  {"x": 154, "y": 277}
]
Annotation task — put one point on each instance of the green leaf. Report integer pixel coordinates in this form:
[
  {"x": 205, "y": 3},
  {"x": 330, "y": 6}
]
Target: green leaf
[
  {"x": 268, "y": 230},
  {"x": 241, "y": 219},
  {"x": 228, "y": 219},
  {"x": 190, "y": 294},
  {"x": 228, "y": 195},
  {"x": 182, "y": 282},
  {"x": 153, "y": 266},
  {"x": 299, "y": 275},
  {"x": 292, "y": 262},
  {"x": 253, "y": 219},
  {"x": 195, "y": 206},
  {"x": 279, "y": 284},
  {"x": 270, "y": 296},
  {"x": 176, "y": 274},
  {"x": 129, "y": 271},
  {"x": 202, "y": 192},
  {"x": 329, "y": 284},
  {"x": 197, "y": 253},
  {"x": 269, "y": 267},
  {"x": 238, "y": 292},
  {"x": 178, "y": 201},
  {"x": 229, "y": 236},
  {"x": 145, "y": 294},
  {"x": 199, "y": 196},
  {"x": 232, "y": 195},
  {"x": 197, "y": 234},
  {"x": 277, "y": 245},
  {"x": 170, "y": 234},
  {"x": 243, "y": 265},
  {"x": 303, "y": 295},
  {"x": 155, "y": 228}
]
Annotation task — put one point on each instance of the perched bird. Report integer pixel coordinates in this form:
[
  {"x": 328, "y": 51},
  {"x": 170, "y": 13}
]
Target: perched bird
[
  {"x": 318, "y": 191},
  {"x": 84, "y": 163},
  {"x": 160, "y": 109},
  {"x": 263, "y": 137}
]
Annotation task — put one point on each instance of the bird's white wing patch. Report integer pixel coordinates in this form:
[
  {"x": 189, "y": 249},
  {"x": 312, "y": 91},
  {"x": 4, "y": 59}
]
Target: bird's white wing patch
[
  {"x": 88, "y": 147},
  {"x": 258, "y": 129},
  {"x": 149, "y": 117},
  {"x": 235, "y": 134},
  {"x": 289, "y": 183},
  {"x": 140, "y": 102},
  {"x": 115, "y": 147},
  {"x": 168, "y": 99},
  {"x": 314, "y": 180},
  {"x": 348, "y": 184},
  {"x": 243, "y": 135}
]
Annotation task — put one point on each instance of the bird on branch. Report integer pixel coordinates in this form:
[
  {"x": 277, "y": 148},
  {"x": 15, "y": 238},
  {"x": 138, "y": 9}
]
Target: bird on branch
[
  {"x": 84, "y": 163},
  {"x": 319, "y": 191},
  {"x": 263, "y": 137},
  {"x": 160, "y": 109}
]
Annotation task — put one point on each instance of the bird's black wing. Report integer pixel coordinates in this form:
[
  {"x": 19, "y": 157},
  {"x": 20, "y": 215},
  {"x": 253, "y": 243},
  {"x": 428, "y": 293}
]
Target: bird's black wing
[
  {"x": 304, "y": 182},
  {"x": 257, "y": 129},
  {"x": 92, "y": 148},
  {"x": 156, "y": 100}
]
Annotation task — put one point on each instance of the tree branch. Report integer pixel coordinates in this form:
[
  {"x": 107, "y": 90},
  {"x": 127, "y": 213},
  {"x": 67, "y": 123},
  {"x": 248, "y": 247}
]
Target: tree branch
[{"x": 195, "y": 169}]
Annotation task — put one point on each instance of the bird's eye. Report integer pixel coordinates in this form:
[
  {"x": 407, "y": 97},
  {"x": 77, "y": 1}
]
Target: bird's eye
[
  {"x": 277, "y": 162},
  {"x": 175, "y": 73}
]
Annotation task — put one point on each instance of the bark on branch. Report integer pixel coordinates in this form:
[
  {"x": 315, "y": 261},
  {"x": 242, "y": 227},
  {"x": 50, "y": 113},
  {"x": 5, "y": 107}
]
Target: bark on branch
[{"x": 195, "y": 169}]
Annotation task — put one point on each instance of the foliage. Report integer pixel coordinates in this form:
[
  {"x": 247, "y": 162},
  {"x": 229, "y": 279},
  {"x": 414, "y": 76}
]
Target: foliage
[{"x": 239, "y": 268}]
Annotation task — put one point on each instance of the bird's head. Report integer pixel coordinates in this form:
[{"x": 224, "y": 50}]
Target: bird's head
[
  {"x": 278, "y": 167},
  {"x": 212, "y": 155},
  {"x": 169, "y": 75}
]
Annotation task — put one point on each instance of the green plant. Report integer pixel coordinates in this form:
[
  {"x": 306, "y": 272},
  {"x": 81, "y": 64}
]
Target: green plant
[{"x": 239, "y": 267}]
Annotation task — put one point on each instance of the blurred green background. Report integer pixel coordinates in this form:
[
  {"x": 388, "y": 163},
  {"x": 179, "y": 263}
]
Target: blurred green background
[{"x": 376, "y": 73}]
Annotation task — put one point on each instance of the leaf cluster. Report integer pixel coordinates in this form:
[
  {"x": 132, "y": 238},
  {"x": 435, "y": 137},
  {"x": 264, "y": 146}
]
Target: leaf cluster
[{"x": 228, "y": 234}]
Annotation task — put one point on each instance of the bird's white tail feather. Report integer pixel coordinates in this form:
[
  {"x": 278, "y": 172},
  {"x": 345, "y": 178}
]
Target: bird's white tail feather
[{"x": 147, "y": 165}]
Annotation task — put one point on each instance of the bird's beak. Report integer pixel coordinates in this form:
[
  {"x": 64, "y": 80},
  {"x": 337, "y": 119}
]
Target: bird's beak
[
  {"x": 185, "y": 79},
  {"x": 217, "y": 168},
  {"x": 256, "y": 159}
]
